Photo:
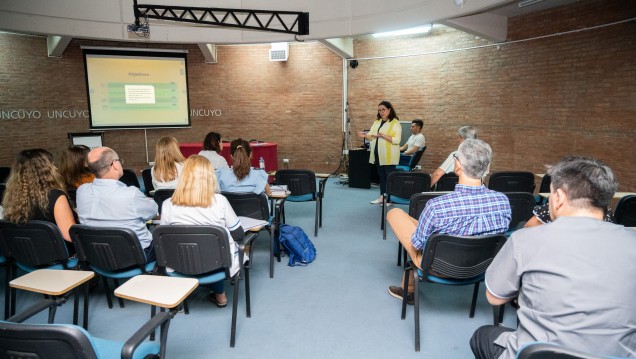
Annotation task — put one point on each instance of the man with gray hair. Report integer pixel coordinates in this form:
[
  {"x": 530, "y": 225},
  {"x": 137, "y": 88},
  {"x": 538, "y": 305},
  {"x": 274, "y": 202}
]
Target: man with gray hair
[
  {"x": 471, "y": 209},
  {"x": 448, "y": 165},
  {"x": 578, "y": 273},
  {"x": 107, "y": 202}
]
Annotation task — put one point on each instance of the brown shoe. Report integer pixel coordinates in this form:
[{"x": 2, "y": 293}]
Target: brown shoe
[{"x": 398, "y": 293}]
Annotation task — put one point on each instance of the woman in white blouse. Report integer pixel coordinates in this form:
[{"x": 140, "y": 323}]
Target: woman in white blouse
[
  {"x": 212, "y": 151},
  {"x": 168, "y": 163},
  {"x": 195, "y": 202}
]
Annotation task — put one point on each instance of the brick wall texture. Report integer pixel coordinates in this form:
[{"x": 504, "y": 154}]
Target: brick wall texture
[{"x": 534, "y": 101}]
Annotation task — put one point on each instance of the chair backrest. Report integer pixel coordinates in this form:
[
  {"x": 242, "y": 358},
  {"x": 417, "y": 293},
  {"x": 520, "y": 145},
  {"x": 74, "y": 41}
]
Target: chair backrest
[
  {"x": 3, "y": 187},
  {"x": 418, "y": 202},
  {"x": 447, "y": 182},
  {"x": 626, "y": 211},
  {"x": 192, "y": 250},
  {"x": 146, "y": 176},
  {"x": 553, "y": 351},
  {"x": 161, "y": 195},
  {"x": 406, "y": 184},
  {"x": 129, "y": 178},
  {"x": 521, "y": 206},
  {"x": 512, "y": 181},
  {"x": 299, "y": 182},
  {"x": 72, "y": 196},
  {"x": 19, "y": 340},
  {"x": 545, "y": 184},
  {"x": 4, "y": 174},
  {"x": 415, "y": 159},
  {"x": 460, "y": 257},
  {"x": 249, "y": 204},
  {"x": 35, "y": 244},
  {"x": 107, "y": 248}
]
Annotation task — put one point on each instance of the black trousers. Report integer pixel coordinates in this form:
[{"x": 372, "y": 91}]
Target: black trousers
[
  {"x": 483, "y": 342},
  {"x": 383, "y": 172}
]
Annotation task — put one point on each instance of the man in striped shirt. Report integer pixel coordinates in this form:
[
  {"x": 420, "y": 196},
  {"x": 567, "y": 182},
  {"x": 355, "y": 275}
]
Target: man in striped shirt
[{"x": 471, "y": 209}]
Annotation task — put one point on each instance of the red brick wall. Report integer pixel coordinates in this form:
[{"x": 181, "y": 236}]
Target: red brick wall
[{"x": 533, "y": 101}]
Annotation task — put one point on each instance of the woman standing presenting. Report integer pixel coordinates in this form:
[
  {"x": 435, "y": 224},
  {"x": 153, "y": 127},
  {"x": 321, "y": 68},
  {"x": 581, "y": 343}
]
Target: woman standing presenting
[{"x": 385, "y": 136}]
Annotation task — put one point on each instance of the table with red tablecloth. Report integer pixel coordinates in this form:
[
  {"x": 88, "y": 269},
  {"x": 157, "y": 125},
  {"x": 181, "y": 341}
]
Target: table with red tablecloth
[{"x": 267, "y": 150}]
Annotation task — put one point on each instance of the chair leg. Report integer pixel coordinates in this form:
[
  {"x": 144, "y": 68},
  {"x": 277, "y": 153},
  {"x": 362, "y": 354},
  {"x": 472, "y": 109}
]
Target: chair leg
[
  {"x": 405, "y": 285},
  {"x": 271, "y": 252},
  {"x": 86, "y": 288},
  {"x": 416, "y": 313},
  {"x": 76, "y": 300},
  {"x": 316, "y": 219},
  {"x": 382, "y": 214},
  {"x": 107, "y": 289},
  {"x": 399, "y": 261},
  {"x": 498, "y": 313},
  {"x": 120, "y": 300},
  {"x": 234, "y": 309},
  {"x": 153, "y": 311},
  {"x": 320, "y": 213},
  {"x": 186, "y": 308},
  {"x": 474, "y": 302},
  {"x": 7, "y": 290},
  {"x": 248, "y": 309}
]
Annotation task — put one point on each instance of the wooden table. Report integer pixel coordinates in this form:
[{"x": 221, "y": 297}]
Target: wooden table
[
  {"x": 56, "y": 283},
  {"x": 160, "y": 291}
]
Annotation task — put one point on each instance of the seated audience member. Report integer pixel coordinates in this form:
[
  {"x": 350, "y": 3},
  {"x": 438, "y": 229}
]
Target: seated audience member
[
  {"x": 463, "y": 133},
  {"x": 578, "y": 286},
  {"x": 168, "y": 163},
  {"x": 242, "y": 177},
  {"x": 107, "y": 202},
  {"x": 542, "y": 216},
  {"x": 212, "y": 151},
  {"x": 415, "y": 142},
  {"x": 471, "y": 209},
  {"x": 73, "y": 167},
  {"x": 195, "y": 202},
  {"x": 35, "y": 192}
]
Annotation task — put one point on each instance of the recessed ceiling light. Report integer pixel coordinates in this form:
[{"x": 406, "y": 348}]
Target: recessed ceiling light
[{"x": 410, "y": 31}]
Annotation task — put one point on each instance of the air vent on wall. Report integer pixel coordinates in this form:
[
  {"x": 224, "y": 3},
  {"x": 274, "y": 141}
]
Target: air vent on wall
[{"x": 279, "y": 51}]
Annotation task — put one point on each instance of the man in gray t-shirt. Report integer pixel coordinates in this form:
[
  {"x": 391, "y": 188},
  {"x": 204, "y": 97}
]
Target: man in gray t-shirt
[{"x": 573, "y": 277}]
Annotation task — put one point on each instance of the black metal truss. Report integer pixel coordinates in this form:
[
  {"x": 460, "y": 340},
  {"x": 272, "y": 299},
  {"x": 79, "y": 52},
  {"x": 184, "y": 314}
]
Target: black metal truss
[{"x": 289, "y": 22}]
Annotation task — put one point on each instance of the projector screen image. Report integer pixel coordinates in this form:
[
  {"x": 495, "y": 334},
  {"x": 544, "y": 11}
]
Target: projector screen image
[{"x": 136, "y": 89}]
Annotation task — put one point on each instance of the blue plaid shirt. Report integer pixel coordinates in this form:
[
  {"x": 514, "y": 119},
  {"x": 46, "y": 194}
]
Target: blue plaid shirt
[{"x": 467, "y": 211}]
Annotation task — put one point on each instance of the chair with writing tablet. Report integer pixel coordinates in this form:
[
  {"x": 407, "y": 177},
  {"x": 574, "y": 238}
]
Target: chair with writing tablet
[
  {"x": 447, "y": 182},
  {"x": 512, "y": 181},
  {"x": 302, "y": 185},
  {"x": 400, "y": 187}
]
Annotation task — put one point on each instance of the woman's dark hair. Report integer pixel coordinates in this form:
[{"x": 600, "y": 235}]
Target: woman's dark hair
[
  {"x": 240, "y": 151},
  {"x": 212, "y": 142},
  {"x": 73, "y": 165},
  {"x": 392, "y": 114}
]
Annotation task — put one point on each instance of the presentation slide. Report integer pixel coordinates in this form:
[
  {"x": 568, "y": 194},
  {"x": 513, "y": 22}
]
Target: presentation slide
[{"x": 132, "y": 89}]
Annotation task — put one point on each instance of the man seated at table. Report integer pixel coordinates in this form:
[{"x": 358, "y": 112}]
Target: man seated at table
[
  {"x": 471, "y": 209},
  {"x": 415, "y": 142},
  {"x": 107, "y": 202},
  {"x": 578, "y": 286},
  {"x": 447, "y": 166}
]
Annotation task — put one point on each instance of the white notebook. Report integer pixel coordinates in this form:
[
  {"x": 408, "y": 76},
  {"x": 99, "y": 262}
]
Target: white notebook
[{"x": 248, "y": 223}]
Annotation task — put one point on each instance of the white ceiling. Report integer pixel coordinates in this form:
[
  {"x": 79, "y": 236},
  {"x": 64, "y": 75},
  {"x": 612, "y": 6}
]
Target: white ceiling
[{"x": 108, "y": 20}]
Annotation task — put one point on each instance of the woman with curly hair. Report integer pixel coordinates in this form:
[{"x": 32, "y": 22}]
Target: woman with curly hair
[
  {"x": 168, "y": 163},
  {"x": 212, "y": 151},
  {"x": 35, "y": 192},
  {"x": 242, "y": 177},
  {"x": 74, "y": 168}
]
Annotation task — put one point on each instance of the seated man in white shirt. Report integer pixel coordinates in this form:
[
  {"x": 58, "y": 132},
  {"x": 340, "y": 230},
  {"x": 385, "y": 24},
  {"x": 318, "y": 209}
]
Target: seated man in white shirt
[
  {"x": 414, "y": 143},
  {"x": 107, "y": 202},
  {"x": 463, "y": 133}
]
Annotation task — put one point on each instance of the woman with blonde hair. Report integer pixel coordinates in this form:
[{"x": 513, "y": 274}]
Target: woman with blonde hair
[
  {"x": 242, "y": 177},
  {"x": 35, "y": 192},
  {"x": 168, "y": 163},
  {"x": 196, "y": 202},
  {"x": 74, "y": 168}
]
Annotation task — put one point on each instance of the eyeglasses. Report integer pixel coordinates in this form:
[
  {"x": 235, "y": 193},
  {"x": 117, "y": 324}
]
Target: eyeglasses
[
  {"x": 456, "y": 158},
  {"x": 120, "y": 160},
  {"x": 383, "y": 109}
]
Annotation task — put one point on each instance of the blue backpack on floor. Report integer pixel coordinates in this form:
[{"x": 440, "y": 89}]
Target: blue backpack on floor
[{"x": 296, "y": 243}]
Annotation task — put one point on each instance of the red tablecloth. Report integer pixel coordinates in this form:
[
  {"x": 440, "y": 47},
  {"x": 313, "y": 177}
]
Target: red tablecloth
[{"x": 267, "y": 150}]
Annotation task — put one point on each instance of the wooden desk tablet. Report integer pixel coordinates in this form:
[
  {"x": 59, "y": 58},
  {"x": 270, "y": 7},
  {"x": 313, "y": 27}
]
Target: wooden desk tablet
[
  {"x": 51, "y": 281},
  {"x": 165, "y": 292}
]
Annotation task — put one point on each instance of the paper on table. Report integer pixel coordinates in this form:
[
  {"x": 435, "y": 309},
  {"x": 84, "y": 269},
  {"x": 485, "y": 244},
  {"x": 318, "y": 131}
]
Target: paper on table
[
  {"x": 279, "y": 190},
  {"x": 248, "y": 223}
]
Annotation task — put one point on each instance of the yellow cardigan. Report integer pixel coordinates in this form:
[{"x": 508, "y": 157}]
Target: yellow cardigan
[{"x": 388, "y": 152}]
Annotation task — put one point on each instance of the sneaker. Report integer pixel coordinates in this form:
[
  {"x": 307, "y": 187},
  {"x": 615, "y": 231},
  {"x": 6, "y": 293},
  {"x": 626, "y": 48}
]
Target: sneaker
[
  {"x": 397, "y": 292},
  {"x": 377, "y": 201}
]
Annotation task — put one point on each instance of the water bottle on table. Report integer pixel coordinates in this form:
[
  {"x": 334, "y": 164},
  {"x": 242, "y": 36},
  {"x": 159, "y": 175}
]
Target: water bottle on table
[{"x": 261, "y": 163}]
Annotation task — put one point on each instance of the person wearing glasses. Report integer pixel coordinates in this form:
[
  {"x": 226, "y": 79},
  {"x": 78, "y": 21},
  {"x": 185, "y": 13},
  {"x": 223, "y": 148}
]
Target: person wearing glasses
[
  {"x": 463, "y": 133},
  {"x": 385, "y": 136},
  {"x": 470, "y": 210},
  {"x": 107, "y": 202}
]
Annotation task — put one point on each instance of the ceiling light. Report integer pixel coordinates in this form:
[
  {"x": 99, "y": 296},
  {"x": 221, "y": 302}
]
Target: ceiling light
[{"x": 410, "y": 31}]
